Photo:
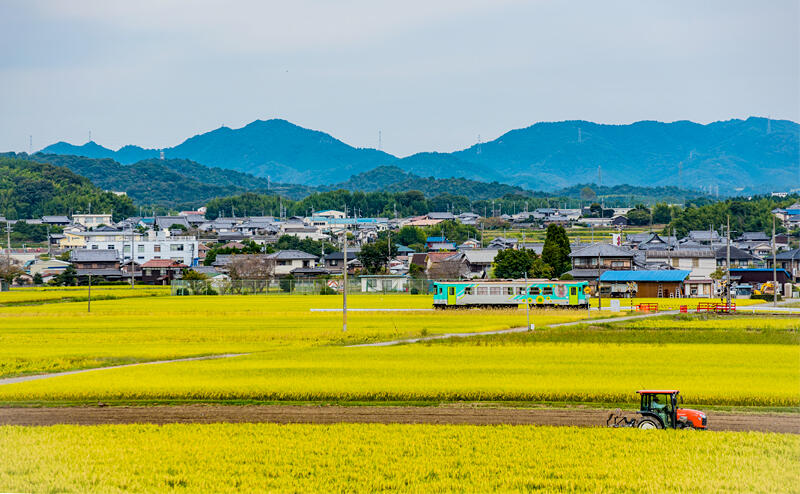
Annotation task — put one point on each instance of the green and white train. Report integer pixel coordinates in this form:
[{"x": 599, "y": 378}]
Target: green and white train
[{"x": 509, "y": 293}]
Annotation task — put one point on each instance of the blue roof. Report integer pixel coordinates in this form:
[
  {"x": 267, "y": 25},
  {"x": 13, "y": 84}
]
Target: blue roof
[
  {"x": 759, "y": 270},
  {"x": 666, "y": 275},
  {"x": 436, "y": 239}
]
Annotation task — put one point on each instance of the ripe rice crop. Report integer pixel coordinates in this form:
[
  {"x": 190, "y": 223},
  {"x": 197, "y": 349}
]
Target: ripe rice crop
[
  {"x": 64, "y": 336},
  {"x": 382, "y": 458},
  {"x": 720, "y": 375},
  {"x": 77, "y": 294},
  {"x": 669, "y": 303}
]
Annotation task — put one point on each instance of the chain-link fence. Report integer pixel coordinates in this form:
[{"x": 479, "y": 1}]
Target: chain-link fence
[{"x": 302, "y": 286}]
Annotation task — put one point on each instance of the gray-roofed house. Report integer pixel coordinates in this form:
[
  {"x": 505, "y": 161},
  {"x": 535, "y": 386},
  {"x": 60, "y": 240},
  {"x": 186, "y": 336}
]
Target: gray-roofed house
[
  {"x": 479, "y": 261},
  {"x": 441, "y": 216},
  {"x": 703, "y": 236},
  {"x": 96, "y": 262},
  {"x": 739, "y": 258},
  {"x": 56, "y": 220},
  {"x": 585, "y": 260},
  {"x": 288, "y": 260},
  {"x": 334, "y": 261},
  {"x": 789, "y": 261},
  {"x": 701, "y": 262},
  {"x": 166, "y": 222}
]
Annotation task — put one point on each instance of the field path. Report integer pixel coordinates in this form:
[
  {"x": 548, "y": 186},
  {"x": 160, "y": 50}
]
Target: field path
[
  {"x": 510, "y": 330},
  {"x": 34, "y": 377},
  {"x": 311, "y": 414}
]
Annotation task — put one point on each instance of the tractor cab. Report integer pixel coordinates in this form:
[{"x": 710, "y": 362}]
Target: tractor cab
[{"x": 659, "y": 410}]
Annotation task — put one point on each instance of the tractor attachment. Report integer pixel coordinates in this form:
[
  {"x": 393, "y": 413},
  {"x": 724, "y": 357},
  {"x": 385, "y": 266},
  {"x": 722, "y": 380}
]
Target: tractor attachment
[{"x": 617, "y": 419}]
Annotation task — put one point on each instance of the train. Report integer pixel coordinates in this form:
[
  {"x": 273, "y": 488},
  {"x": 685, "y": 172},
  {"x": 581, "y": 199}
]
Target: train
[{"x": 510, "y": 293}]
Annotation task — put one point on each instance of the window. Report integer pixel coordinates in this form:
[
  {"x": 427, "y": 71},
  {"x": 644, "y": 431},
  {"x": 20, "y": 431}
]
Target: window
[
  {"x": 573, "y": 290},
  {"x": 534, "y": 290},
  {"x": 510, "y": 290},
  {"x": 94, "y": 247},
  {"x": 333, "y": 262},
  {"x": 675, "y": 262},
  {"x": 548, "y": 290},
  {"x": 695, "y": 262},
  {"x": 483, "y": 290},
  {"x": 617, "y": 264},
  {"x": 468, "y": 290},
  {"x": 176, "y": 247},
  {"x": 126, "y": 249},
  {"x": 110, "y": 247},
  {"x": 157, "y": 248},
  {"x": 140, "y": 249},
  {"x": 521, "y": 290}
]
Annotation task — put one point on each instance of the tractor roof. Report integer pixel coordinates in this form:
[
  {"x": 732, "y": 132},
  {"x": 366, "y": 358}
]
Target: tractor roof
[{"x": 657, "y": 391}]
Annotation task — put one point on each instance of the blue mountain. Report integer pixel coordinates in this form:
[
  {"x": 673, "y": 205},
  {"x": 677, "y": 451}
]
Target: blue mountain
[{"x": 752, "y": 155}]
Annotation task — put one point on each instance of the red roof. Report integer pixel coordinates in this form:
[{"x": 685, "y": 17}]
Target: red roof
[
  {"x": 163, "y": 263},
  {"x": 667, "y": 391},
  {"x": 438, "y": 256}
]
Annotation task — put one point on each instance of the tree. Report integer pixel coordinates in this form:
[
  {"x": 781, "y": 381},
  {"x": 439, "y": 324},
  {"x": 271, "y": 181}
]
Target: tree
[
  {"x": 639, "y": 215},
  {"x": 37, "y": 279},
  {"x": 192, "y": 275},
  {"x": 662, "y": 213},
  {"x": 555, "y": 252},
  {"x": 9, "y": 268},
  {"x": 410, "y": 235},
  {"x": 375, "y": 256},
  {"x": 587, "y": 194},
  {"x": 251, "y": 267},
  {"x": 68, "y": 277},
  {"x": 511, "y": 263}
]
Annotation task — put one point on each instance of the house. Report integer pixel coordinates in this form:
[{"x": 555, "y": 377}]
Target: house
[
  {"x": 92, "y": 220},
  {"x": 650, "y": 284},
  {"x": 146, "y": 246},
  {"x": 703, "y": 237},
  {"x": 447, "y": 266},
  {"x": 56, "y": 220},
  {"x": 288, "y": 260},
  {"x": 469, "y": 244},
  {"x": 754, "y": 237},
  {"x": 587, "y": 260},
  {"x": 758, "y": 276},
  {"x": 479, "y": 261},
  {"x": 384, "y": 283},
  {"x": 619, "y": 221},
  {"x": 700, "y": 262},
  {"x": 96, "y": 263},
  {"x": 85, "y": 259},
  {"x": 656, "y": 241},
  {"x": 739, "y": 258},
  {"x": 161, "y": 271},
  {"x": 439, "y": 243},
  {"x": 503, "y": 243},
  {"x": 46, "y": 268},
  {"x": 335, "y": 260},
  {"x": 788, "y": 260},
  {"x": 168, "y": 222},
  {"x": 330, "y": 213}
]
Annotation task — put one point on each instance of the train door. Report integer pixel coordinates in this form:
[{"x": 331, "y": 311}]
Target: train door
[
  {"x": 451, "y": 295},
  {"x": 573, "y": 295}
]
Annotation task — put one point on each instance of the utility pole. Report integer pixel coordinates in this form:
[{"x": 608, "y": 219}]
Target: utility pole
[
  {"x": 728, "y": 262},
  {"x": 89, "y": 303},
  {"x": 774, "y": 268},
  {"x": 133, "y": 262},
  {"x": 527, "y": 305},
  {"x": 599, "y": 295},
  {"x": 344, "y": 291}
]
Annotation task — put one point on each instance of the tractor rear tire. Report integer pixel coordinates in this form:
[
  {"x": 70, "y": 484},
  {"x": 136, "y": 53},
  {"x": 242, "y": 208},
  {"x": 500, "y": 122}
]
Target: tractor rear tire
[{"x": 648, "y": 423}]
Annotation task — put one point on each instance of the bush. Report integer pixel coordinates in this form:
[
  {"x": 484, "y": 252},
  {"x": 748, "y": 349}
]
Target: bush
[
  {"x": 566, "y": 277},
  {"x": 326, "y": 290},
  {"x": 766, "y": 296},
  {"x": 415, "y": 291}
]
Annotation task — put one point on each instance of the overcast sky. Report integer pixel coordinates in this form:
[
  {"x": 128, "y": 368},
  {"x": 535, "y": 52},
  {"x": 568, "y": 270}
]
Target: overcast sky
[{"x": 430, "y": 75}]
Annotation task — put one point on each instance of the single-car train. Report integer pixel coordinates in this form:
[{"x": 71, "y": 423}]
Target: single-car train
[{"x": 509, "y": 293}]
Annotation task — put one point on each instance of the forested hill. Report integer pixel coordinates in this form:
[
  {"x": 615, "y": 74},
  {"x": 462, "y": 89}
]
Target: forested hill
[
  {"x": 735, "y": 156},
  {"x": 29, "y": 190}
]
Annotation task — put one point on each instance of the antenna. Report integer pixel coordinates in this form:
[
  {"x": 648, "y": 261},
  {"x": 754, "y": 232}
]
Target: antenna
[{"x": 379, "y": 140}]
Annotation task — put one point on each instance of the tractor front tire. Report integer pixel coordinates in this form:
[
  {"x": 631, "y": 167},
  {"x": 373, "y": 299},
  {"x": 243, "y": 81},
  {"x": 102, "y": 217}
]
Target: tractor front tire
[{"x": 648, "y": 423}]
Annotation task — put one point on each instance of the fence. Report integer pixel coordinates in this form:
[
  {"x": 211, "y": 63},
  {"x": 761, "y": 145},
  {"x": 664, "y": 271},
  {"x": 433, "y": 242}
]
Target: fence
[{"x": 304, "y": 287}]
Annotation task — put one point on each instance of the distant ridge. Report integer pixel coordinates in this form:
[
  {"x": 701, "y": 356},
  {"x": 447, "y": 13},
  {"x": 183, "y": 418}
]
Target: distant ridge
[{"x": 727, "y": 155}]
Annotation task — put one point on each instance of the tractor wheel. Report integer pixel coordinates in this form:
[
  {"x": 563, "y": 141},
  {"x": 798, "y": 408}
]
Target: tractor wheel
[{"x": 648, "y": 424}]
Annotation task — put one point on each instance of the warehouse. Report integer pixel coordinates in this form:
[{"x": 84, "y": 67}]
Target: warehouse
[{"x": 655, "y": 284}]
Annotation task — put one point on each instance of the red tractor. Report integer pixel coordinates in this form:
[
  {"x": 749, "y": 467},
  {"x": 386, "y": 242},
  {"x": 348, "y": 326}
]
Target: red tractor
[{"x": 659, "y": 410}]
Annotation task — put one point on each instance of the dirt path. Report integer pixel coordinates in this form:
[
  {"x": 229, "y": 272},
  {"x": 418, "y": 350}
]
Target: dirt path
[
  {"x": 281, "y": 414},
  {"x": 34, "y": 377}
]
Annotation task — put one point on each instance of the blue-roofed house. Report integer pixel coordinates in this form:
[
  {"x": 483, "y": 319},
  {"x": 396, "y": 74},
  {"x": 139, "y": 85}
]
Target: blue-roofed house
[{"x": 664, "y": 283}]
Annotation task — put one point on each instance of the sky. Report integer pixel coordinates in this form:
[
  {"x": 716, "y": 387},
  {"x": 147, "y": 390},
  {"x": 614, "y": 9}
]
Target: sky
[{"x": 427, "y": 75}]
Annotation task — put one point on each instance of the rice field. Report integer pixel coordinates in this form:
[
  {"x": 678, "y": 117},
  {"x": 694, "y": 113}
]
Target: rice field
[
  {"x": 669, "y": 303},
  {"x": 391, "y": 458},
  {"x": 55, "y": 337},
  {"x": 39, "y": 295}
]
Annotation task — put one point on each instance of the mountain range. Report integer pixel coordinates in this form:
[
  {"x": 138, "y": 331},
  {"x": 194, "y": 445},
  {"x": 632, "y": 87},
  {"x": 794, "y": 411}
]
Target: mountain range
[{"x": 752, "y": 155}]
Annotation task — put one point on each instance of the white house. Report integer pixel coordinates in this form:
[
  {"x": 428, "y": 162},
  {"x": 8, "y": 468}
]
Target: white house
[
  {"x": 288, "y": 260},
  {"x": 92, "y": 220},
  {"x": 701, "y": 262},
  {"x": 147, "y": 246}
]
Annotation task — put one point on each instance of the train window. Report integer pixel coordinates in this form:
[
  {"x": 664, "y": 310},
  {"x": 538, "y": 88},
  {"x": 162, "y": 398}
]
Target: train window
[
  {"x": 496, "y": 290},
  {"x": 468, "y": 290},
  {"x": 573, "y": 290},
  {"x": 482, "y": 290},
  {"x": 534, "y": 290},
  {"x": 548, "y": 290},
  {"x": 510, "y": 290},
  {"x": 521, "y": 290}
]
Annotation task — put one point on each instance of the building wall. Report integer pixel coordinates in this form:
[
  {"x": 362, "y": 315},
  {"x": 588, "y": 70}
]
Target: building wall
[
  {"x": 181, "y": 249},
  {"x": 649, "y": 289},
  {"x": 700, "y": 267}
]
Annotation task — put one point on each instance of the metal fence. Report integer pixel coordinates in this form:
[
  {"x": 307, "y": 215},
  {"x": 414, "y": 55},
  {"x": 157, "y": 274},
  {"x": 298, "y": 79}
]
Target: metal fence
[{"x": 304, "y": 287}]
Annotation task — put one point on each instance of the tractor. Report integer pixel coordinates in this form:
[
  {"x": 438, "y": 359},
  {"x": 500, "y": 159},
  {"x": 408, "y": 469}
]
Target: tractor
[{"x": 659, "y": 410}]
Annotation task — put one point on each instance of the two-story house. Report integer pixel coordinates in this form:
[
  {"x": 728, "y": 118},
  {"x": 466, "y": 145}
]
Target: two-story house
[
  {"x": 99, "y": 263},
  {"x": 161, "y": 271},
  {"x": 143, "y": 247},
  {"x": 701, "y": 262},
  {"x": 288, "y": 260},
  {"x": 92, "y": 220},
  {"x": 590, "y": 261}
]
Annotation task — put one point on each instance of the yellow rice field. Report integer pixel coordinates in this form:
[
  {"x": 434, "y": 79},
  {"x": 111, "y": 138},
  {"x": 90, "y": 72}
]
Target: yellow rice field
[{"x": 391, "y": 458}]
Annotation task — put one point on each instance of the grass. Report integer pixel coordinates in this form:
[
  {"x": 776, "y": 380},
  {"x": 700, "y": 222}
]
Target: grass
[
  {"x": 668, "y": 303},
  {"x": 28, "y": 296},
  {"x": 396, "y": 458}
]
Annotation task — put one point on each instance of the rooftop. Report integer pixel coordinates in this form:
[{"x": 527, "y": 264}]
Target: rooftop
[{"x": 675, "y": 275}]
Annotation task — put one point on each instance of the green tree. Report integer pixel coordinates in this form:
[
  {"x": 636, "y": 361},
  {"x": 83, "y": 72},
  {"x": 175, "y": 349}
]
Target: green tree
[
  {"x": 511, "y": 263},
  {"x": 192, "y": 275},
  {"x": 587, "y": 194},
  {"x": 639, "y": 215},
  {"x": 556, "y": 249},
  {"x": 410, "y": 235},
  {"x": 68, "y": 277},
  {"x": 37, "y": 279},
  {"x": 662, "y": 213},
  {"x": 376, "y": 255}
]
